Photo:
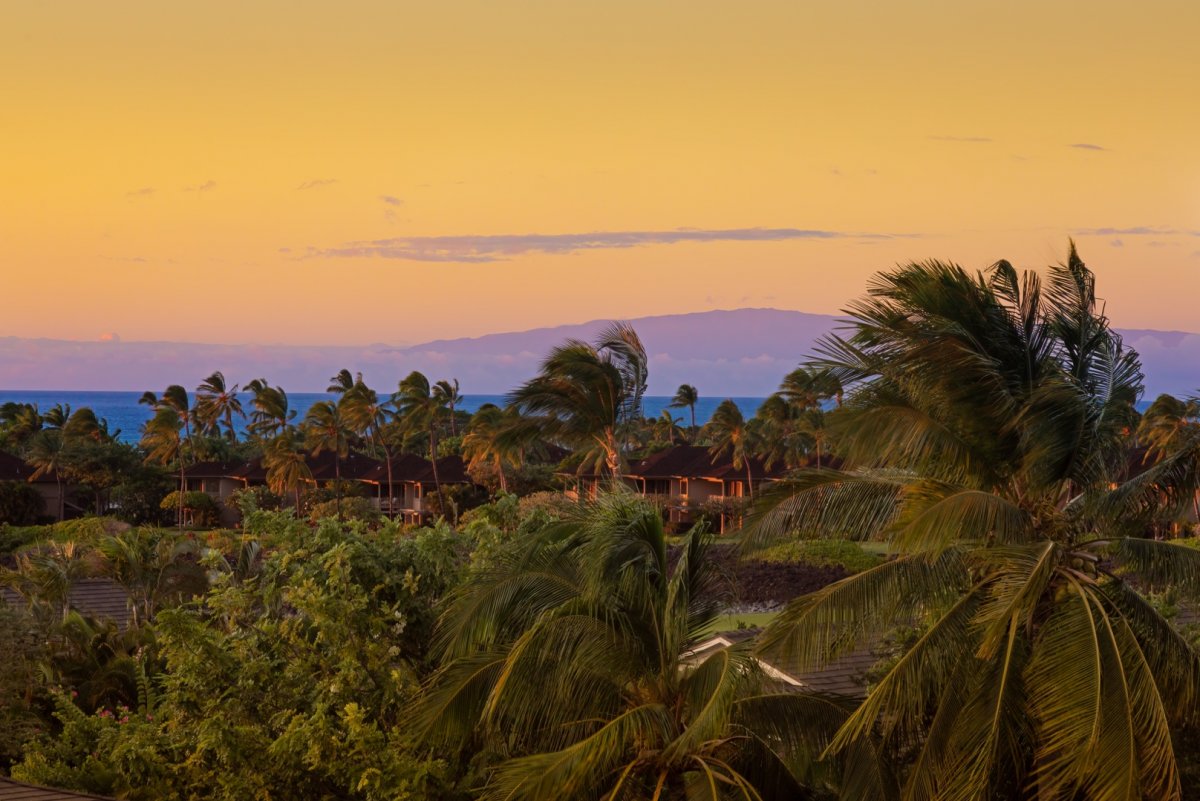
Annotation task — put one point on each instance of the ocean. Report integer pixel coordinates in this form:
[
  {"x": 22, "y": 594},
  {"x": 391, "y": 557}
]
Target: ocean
[{"x": 125, "y": 414}]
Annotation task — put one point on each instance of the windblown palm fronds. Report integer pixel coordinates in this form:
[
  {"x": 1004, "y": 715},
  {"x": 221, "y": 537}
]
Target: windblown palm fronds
[{"x": 986, "y": 438}]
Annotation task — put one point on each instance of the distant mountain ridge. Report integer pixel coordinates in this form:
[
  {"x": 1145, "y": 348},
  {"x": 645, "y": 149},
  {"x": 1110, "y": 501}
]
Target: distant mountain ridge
[{"x": 738, "y": 352}]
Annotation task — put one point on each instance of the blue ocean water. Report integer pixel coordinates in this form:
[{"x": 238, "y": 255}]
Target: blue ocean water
[{"x": 124, "y": 413}]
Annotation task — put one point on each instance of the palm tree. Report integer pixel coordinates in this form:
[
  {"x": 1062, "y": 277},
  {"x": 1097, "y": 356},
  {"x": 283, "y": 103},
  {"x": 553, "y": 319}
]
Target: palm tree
[
  {"x": 271, "y": 416},
  {"x": 666, "y": 427},
  {"x": 367, "y": 418},
  {"x": 810, "y": 387},
  {"x": 175, "y": 398},
  {"x": 1164, "y": 423},
  {"x": 572, "y": 657},
  {"x": 419, "y": 405},
  {"x": 731, "y": 434},
  {"x": 488, "y": 439},
  {"x": 325, "y": 429},
  {"x": 448, "y": 391},
  {"x": 150, "y": 564},
  {"x": 216, "y": 402},
  {"x": 984, "y": 439},
  {"x": 286, "y": 468},
  {"x": 586, "y": 394},
  {"x": 343, "y": 382},
  {"x": 777, "y": 425},
  {"x": 19, "y": 422},
  {"x": 686, "y": 397},
  {"x": 47, "y": 453},
  {"x": 164, "y": 445},
  {"x": 57, "y": 416}
]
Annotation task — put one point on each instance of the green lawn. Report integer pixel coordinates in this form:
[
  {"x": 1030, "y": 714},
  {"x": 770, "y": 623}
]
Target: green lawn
[{"x": 744, "y": 620}]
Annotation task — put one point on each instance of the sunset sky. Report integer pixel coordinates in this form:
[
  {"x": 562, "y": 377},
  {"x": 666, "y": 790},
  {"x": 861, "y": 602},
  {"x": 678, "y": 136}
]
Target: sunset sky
[{"x": 355, "y": 172}]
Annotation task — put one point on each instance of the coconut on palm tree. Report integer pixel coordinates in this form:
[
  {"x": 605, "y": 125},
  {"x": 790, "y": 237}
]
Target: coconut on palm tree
[
  {"x": 587, "y": 394},
  {"x": 572, "y": 657},
  {"x": 984, "y": 440}
]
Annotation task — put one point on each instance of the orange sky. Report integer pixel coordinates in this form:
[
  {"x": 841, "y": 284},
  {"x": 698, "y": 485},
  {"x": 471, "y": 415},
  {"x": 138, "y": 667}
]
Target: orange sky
[{"x": 202, "y": 172}]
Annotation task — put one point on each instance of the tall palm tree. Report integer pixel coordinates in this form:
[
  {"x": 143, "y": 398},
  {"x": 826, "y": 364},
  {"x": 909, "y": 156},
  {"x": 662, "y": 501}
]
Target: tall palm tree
[
  {"x": 19, "y": 422},
  {"x": 573, "y": 657},
  {"x": 175, "y": 398},
  {"x": 984, "y": 438},
  {"x": 731, "y": 434},
  {"x": 367, "y": 418},
  {"x": 217, "y": 402},
  {"x": 685, "y": 398},
  {"x": 419, "y": 405},
  {"x": 343, "y": 382},
  {"x": 57, "y": 416},
  {"x": 666, "y": 427},
  {"x": 286, "y": 468},
  {"x": 585, "y": 394},
  {"x": 325, "y": 429},
  {"x": 448, "y": 391},
  {"x": 47, "y": 452},
  {"x": 488, "y": 440},
  {"x": 271, "y": 416},
  {"x": 810, "y": 387},
  {"x": 164, "y": 444},
  {"x": 1164, "y": 424}
]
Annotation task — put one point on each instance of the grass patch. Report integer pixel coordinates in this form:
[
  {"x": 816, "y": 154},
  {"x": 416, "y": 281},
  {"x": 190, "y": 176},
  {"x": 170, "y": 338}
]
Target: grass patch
[
  {"x": 743, "y": 620},
  {"x": 851, "y": 556}
]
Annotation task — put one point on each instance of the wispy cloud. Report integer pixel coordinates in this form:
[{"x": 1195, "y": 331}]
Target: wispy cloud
[
  {"x": 498, "y": 247},
  {"x": 316, "y": 183},
  {"x": 207, "y": 186},
  {"x": 1136, "y": 230},
  {"x": 1087, "y": 146},
  {"x": 145, "y": 191},
  {"x": 391, "y": 200},
  {"x": 975, "y": 139}
]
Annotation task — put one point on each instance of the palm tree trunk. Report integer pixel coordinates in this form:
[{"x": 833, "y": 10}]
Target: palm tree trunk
[
  {"x": 182, "y": 487},
  {"x": 692, "y": 406},
  {"x": 437, "y": 482},
  {"x": 749, "y": 480},
  {"x": 500, "y": 470},
  {"x": 337, "y": 478},
  {"x": 62, "y": 501},
  {"x": 453, "y": 424},
  {"x": 391, "y": 493}
]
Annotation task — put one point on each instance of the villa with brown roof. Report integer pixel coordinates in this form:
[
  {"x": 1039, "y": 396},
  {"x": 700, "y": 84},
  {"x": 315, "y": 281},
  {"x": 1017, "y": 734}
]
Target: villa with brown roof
[
  {"x": 412, "y": 480},
  {"x": 685, "y": 479}
]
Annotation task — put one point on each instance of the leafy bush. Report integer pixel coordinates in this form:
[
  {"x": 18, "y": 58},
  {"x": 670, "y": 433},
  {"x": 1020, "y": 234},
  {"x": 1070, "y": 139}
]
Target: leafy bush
[
  {"x": 199, "y": 508},
  {"x": 352, "y": 509},
  {"x": 20, "y": 503},
  {"x": 822, "y": 553},
  {"x": 248, "y": 499}
]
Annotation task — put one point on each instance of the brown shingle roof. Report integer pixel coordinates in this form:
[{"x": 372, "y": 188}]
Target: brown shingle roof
[
  {"x": 11, "y": 790},
  {"x": 694, "y": 461},
  {"x": 844, "y": 676},
  {"x": 101, "y": 598}
]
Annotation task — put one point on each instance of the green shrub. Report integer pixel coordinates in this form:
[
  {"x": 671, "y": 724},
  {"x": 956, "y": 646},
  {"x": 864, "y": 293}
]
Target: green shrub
[
  {"x": 822, "y": 553},
  {"x": 352, "y": 509},
  {"x": 20, "y": 503},
  {"x": 199, "y": 508}
]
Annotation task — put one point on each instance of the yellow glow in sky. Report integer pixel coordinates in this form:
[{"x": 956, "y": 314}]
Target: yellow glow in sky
[{"x": 202, "y": 172}]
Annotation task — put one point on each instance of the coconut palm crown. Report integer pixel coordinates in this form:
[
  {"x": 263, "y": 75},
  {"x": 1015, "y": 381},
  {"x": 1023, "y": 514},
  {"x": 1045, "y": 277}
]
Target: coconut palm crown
[
  {"x": 571, "y": 656},
  {"x": 986, "y": 438}
]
